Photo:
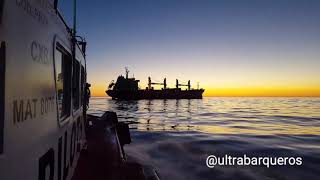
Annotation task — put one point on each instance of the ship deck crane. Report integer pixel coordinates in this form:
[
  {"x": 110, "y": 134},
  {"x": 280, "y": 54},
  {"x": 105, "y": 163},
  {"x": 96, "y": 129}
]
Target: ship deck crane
[
  {"x": 150, "y": 83},
  {"x": 177, "y": 84}
]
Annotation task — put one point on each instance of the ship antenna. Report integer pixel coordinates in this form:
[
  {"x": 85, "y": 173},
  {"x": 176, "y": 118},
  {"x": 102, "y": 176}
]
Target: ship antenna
[
  {"x": 74, "y": 17},
  {"x": 74, "y": 31},
  {"x": 127, "y": 72}
]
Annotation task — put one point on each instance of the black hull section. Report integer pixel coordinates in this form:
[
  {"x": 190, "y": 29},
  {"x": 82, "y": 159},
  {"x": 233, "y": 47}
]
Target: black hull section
[{"x": 156, "y": 94}]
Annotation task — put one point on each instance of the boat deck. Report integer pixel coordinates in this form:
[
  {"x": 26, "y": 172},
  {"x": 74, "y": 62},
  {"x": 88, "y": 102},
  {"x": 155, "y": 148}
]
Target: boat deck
[{"x": 103, "y": 157}]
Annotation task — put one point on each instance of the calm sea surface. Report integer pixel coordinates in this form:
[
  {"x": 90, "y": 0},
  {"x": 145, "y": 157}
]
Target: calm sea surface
[{"x": 176, "y": 136}]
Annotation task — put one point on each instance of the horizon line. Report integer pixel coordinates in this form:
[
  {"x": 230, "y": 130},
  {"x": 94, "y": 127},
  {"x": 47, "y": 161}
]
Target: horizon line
[{"x": 246, "y": 96}]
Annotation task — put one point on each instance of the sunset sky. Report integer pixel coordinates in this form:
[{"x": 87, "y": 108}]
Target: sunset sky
[{"x": 232, "y": 47}]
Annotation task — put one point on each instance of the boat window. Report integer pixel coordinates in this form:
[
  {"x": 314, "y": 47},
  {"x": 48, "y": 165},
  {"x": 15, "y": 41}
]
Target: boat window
[
  {"x": 63, "y": 68},
  {"x": 2, "y": 91},
  {"x": 76, "y": 84}
]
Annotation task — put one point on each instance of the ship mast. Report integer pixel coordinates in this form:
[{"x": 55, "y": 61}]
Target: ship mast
[{"x": 127, "y": 72}]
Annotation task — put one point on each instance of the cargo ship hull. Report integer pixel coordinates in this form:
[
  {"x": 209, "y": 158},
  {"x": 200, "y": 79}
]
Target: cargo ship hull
[{"x": 155, "y": 94}]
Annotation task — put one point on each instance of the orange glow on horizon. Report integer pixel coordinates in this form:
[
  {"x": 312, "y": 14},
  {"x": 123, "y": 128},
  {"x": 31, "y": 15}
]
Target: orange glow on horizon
[
  {"x": 99, "y": 90},
  {"x": 264, "y": 92}
]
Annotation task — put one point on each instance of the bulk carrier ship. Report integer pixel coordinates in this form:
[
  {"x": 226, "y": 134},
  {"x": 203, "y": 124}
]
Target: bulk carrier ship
[{"x": 127, "y": 88}]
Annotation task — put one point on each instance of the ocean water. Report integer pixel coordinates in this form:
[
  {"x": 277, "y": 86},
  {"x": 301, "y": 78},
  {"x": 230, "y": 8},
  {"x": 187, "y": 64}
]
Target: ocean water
[{"x": 177, "y": 136}]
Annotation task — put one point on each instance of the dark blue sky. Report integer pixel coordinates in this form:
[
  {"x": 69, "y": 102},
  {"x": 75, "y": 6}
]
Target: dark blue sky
[{"x": 221, "y": 43}]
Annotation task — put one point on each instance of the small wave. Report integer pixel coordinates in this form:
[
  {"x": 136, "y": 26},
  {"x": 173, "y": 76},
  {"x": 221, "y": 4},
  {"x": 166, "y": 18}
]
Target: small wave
[{"x": 176, "y": 136}]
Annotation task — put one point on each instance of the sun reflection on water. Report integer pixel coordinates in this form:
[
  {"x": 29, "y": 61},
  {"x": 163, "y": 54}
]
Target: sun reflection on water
[{"x": 260, "y": 116}]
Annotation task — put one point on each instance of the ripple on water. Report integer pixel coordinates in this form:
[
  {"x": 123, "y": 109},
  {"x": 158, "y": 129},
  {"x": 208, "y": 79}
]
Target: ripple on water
[{"x": 176, "y": 136}]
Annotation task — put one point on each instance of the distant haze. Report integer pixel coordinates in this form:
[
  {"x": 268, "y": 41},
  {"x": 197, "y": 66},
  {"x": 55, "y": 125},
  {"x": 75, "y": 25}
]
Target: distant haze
[{"x": 232, "y": 47}]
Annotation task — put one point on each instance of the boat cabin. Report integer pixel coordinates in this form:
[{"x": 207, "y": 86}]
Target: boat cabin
[{"x": 42, "y": 105}]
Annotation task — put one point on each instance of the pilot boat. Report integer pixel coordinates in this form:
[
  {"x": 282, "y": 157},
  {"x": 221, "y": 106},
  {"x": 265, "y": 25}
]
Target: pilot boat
[{"x": 45, "y": 132}]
